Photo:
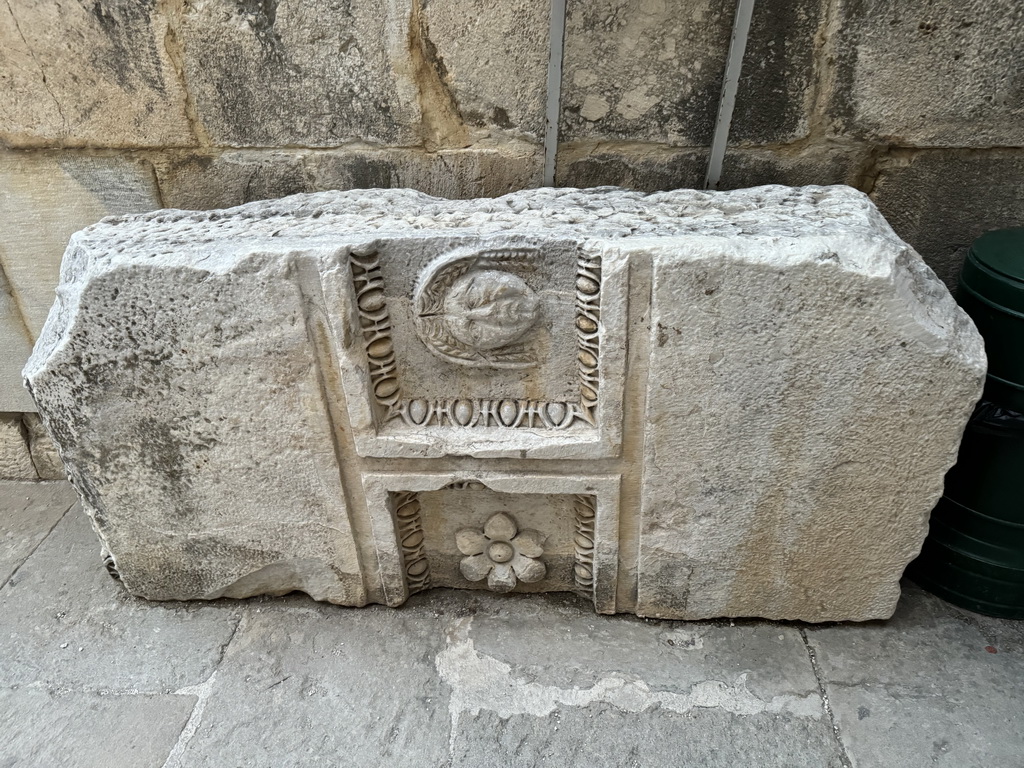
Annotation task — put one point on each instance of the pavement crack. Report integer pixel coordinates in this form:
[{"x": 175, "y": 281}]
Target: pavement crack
[
  {"x": 202, "y": 691},
  {"x": 844, "y": 757}
]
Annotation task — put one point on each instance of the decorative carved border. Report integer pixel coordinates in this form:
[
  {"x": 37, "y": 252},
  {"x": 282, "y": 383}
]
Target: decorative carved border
[
  {"x": 409, "y": 528},
  {"x": 594, "y": 501},
  {"x": 375, "y": 324},
  {"x": 416, "y": 566},
  {"x": 586, "y": 515}
]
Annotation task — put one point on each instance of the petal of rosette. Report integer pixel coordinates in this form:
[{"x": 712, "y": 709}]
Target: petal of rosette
[
  {"x": 470, "y": 541},
  {"x": 502, "y": 578},
  {"x": 529, "y": 543},
  {"x": 500, "y": 528},
  {"x": 527, "y": 569},
  {"x": 476, "y": 567}
]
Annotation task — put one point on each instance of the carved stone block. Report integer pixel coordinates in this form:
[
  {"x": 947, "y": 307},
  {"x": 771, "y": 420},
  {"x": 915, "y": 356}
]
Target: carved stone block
[{"x": 683, "y": 404}]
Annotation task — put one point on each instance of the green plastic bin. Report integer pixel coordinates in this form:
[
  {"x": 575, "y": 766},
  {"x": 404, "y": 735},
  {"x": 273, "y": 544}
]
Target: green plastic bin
[{"x": 974, "y": 553}]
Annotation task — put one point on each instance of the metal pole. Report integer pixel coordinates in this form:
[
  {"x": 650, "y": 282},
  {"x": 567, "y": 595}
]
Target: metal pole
[
  {"x": 730, "y": 83},
  {"x": 556, "y": 45}
]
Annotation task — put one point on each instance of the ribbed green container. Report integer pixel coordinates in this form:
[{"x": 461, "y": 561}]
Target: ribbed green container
[{"x": 974, "y": 553}]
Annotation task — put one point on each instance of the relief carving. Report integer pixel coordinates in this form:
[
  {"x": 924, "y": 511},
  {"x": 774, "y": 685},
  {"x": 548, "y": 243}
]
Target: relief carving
[
  {"x": 501, "y": 553},
  {"x": 409, "y": 526},
  {"x": 470, "y": 311},
  {"x": 583, "y": 571},
  {"x": 473, "y": 309}
]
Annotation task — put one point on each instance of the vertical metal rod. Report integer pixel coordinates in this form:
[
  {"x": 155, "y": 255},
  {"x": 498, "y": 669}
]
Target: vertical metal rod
[
  {"x": 556, "y": 46},
  {"x": 730, "y": 83}
]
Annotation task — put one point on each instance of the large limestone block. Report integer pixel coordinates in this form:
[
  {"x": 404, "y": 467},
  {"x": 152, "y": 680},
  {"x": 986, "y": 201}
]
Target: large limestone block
[
  {"x": 683, "y": 404},
  {"x": 90, "y": 74},
  {"x": 652, "y": 71},
  {"x": 319, "y": 73},
  {"x": 929, "y": 73},
  {"x": 940, "y": 200}
]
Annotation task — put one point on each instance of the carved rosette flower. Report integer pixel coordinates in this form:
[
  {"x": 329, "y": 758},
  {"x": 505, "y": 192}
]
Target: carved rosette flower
[{"x": 501, "y": 553}]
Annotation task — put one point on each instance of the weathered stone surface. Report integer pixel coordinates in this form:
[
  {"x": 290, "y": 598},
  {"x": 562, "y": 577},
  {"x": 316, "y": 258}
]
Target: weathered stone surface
[
  {"x": 940, "y": 201},
  {"x": 493, "y": 59},
  {"x": 225, "y": 389},
  {"x": 645, "y": 168},
  {"x": 803, "y": 435},
  {"x": 308, "y": 666},
  {"x": 99, "y": 74},
  {"x": 930, "y": 687},
  {"x": 651, "y": 72},
  {"x": 15, "y": 460},
  {"x": 44, "y": 198},
  {"x": 223, "y": 179},
  {"x": 323, "y": 74},
  {"x": 307, "y": 74},
  {"x": 30, "y": 511},
  {"x": 778, "y": 74},
  {"x": 69, "y": 626},
  {"x": 828, "y": 164},
  {"x": 930, "y": 72},
  {"x": 15, "y": 347},
  {"x": 44, "y": 454},
  {"x": 74, "y": 728}
]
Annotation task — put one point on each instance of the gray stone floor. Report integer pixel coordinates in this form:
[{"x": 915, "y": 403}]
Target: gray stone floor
[{"x": 90, "y": 676}]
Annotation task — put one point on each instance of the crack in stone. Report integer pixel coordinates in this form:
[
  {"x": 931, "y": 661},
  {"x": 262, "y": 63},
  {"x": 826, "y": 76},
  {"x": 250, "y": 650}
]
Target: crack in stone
[
  {"x": 442, "y": 123},
  {"x": 481, "y": 682},
  {"x": 171, "y": 11},
  {"x": 42, "y": 72},
  {"x": 844, "y": 757}
]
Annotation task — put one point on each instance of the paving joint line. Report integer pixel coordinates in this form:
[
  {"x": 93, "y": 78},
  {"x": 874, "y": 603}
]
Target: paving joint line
[
  {"x": 844, "y": 756},
  {"x": 202, "y": 691},
  {"x": 10, "y": 579}
]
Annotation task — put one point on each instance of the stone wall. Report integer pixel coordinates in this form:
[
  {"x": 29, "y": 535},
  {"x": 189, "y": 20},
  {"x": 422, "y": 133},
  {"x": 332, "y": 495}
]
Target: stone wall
[{"x": 128, "y": 105}]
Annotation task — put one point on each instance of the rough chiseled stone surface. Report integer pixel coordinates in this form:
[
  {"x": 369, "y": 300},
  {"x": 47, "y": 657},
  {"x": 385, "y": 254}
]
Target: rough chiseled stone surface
[
  {"x": 940, "y": 73},
  {"x": 651, "y": 73},
  {"x": 90, "y": 74},
  {"x": 683, "y": 404}
]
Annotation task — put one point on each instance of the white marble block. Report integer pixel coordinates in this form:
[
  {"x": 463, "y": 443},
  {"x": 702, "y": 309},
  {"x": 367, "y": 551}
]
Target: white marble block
[{"x": 683, "y": 404}]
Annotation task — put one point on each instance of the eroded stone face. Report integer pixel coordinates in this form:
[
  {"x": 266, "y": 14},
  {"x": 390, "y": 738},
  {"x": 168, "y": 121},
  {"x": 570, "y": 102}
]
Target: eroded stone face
[{"x": 684, "y": 404}]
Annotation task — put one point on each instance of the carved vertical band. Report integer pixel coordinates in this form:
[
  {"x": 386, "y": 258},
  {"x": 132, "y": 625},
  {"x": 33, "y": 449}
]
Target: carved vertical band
[
  {"x": 588, "y": 324},
  {"x": 376, "y": 327},
  {"x": 409, "y": 527},
  {"x": 583, "y": 572}
]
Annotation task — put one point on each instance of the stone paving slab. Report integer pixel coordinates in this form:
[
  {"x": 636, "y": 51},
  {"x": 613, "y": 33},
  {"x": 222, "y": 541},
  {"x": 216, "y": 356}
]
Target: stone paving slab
[
  {"x": 473, "y": 679},
  {"x": 71, "y": 729},
  {"x": 28, "y": 512},
  {"x": 932, "y": 686},
  {"x": 68, "y": 625}
]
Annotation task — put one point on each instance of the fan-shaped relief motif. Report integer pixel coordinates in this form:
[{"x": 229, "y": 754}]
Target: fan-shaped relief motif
[{"x": 474, "y": 308}]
